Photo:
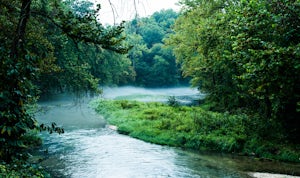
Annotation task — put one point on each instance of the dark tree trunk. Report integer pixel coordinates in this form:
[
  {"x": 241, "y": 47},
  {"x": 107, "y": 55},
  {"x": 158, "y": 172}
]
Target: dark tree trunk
[{"x": 17, "y": 48}]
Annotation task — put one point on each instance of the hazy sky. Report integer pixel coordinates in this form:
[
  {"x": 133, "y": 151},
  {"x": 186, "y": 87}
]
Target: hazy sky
[{"x": 125, "y": 10}]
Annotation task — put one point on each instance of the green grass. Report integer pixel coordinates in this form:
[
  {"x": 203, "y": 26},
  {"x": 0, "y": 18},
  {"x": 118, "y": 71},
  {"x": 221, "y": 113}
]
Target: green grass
[{"x": 193, "y": 128}]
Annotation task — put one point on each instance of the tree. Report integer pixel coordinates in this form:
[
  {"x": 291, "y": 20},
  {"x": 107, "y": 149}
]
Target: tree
[
  {"x": 202, "y": 45},
  {"x": 266, "y": 44},
  {"x": 244, "y": 55}
]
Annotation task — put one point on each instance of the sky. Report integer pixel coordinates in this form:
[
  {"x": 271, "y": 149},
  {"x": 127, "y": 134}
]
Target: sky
[{"x": 125, "y": 10}]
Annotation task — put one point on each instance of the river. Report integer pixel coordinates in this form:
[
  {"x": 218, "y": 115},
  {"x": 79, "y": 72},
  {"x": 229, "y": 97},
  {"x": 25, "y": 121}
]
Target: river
[{"x": 89, "y": 149}]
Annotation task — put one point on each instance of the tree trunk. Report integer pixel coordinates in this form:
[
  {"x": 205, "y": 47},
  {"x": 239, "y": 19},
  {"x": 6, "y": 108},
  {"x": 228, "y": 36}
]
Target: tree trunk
[{"x": 17, "y": 48}]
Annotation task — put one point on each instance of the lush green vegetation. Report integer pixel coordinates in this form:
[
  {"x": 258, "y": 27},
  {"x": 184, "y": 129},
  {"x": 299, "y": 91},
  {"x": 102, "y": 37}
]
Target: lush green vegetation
[
  {"x": 153, "y": 61},
  {"x": 20, "y": 166},
  {"x": 194, "y": 128},
  {"x": 243, "y": 54}
]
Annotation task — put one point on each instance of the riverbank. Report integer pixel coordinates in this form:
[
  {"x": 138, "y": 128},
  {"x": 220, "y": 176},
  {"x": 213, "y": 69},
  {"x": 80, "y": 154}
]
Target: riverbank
[{"x": 193, "y": 128}]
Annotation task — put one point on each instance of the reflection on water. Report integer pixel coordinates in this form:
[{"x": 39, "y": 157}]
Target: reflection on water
[{"x": 89, "y": 149}]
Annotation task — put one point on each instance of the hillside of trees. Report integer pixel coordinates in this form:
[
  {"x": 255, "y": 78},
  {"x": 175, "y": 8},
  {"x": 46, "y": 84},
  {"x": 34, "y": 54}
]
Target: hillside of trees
[{"x": 154, "y": 63}]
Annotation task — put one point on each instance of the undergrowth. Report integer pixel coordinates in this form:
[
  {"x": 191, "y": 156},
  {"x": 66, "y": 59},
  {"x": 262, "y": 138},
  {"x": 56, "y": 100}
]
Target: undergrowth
[{"x": 20, "y": 166}]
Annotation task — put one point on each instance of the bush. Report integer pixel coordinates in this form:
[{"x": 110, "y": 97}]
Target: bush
[
  {"x": 172, "y": 101},
  {"x": 19, "y": 168}
]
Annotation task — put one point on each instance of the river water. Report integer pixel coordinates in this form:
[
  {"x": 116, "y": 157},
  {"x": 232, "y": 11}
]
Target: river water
[{"x": 89, "y": 149}]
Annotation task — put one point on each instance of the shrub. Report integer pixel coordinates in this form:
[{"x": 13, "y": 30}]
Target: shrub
[{"x": 172, "y": 101}]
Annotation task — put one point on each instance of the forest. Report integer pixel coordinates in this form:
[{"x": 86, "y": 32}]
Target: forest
[{"x": 244, "y": 55}]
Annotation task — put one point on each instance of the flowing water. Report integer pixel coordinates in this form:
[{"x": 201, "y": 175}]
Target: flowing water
[{"x": 89, "y": 149}]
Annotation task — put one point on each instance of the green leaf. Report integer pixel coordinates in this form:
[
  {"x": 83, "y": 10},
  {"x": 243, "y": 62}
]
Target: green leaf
[
  {"x": 9, "y": 131},
  {"x": 3, "y": 129}
]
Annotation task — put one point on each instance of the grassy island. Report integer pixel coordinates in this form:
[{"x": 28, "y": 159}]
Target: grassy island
[{"x": 194, "y": 128}]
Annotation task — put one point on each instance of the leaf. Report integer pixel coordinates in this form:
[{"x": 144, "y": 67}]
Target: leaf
[
  {"x": 3, "y": 130},
  {"x": 18, "y": 92},
  {"x": 8, "y": 131}
]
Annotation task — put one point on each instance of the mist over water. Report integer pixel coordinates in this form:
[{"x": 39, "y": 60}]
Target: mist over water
[
  {"x": 184, "y": 95},
  {"x": 113, "y": 92},
  {"x": 69, "y": 112}
]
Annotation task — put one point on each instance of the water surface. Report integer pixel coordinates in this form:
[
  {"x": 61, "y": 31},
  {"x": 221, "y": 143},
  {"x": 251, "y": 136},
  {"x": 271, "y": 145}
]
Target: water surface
[{"x": 89, "y": 149}]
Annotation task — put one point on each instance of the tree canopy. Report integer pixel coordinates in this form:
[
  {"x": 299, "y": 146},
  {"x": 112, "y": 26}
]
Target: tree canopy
[{"x": 153, "y": 61}]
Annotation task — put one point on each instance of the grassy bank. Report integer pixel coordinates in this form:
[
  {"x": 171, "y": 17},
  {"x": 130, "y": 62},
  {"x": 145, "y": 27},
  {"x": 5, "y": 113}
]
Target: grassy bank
[{"x": 193, "y": 128}]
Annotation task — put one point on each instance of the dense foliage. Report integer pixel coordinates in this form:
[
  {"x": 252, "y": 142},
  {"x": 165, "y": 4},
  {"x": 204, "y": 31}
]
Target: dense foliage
[
  {"x": 153, "y": 61},
  {"x": 86, "y": 53},
  {"x": 245, "y": 56}
]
